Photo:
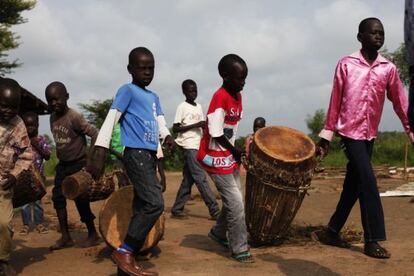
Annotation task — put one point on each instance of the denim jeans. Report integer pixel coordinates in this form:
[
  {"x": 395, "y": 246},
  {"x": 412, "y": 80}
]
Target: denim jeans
[
  {"x": 37, "y": 213},
  {"x": 360, "y": 183},
  {"x": 148, "y": 202},
  {"x": 59, "y": 201},
  {"x": 194, "y": 173},
  {"x": 231, "y": 223}
]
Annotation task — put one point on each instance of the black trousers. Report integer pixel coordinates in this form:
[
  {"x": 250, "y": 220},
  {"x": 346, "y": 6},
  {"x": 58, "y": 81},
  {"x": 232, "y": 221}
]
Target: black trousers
[{"x": 360, "y": 183}]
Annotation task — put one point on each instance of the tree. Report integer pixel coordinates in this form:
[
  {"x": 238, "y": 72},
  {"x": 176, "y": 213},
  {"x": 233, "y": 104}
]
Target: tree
[
  {"x": 96, "y": 111},
  {"x": 315, "y": 123},
  {"x": 10, "y": 14},
  {"x": 398, "y": 57}
]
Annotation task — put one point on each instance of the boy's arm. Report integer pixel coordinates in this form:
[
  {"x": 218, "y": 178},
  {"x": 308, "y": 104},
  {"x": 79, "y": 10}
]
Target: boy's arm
[
  {"x": 396, "y": 94},
  {"x": 164, "y": 131},
  {"x": 177, "y": 127},
  {"x": 327, "y": 133},
  {"x": 224, "y": 142},
  {"x": 96, "y": 160}
]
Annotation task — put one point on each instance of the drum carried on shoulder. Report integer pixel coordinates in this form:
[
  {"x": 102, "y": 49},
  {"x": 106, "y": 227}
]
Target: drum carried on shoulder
[
  {"x": 29, "y": 187},
  {"x": 280, "y": 168}
]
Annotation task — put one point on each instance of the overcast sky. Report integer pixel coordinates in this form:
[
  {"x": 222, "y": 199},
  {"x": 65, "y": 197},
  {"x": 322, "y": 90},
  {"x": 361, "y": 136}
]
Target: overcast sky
[{"x": 291, "y": 49}]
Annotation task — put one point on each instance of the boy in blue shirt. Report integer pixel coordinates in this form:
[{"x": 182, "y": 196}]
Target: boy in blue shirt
[{"x": 142, "y": 123}]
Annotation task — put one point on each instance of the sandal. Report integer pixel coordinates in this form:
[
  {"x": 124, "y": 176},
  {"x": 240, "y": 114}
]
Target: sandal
[
  {"x": 374, "y": 250},
  {"x": 60, "y": 244},
  {"x": 42, "y": 229},
  {"x": 243, "y": 257},
  {"x": 25, "y": 230},
  {"x": 223, "y": 242},
  {"x": 329, "y": 238}
]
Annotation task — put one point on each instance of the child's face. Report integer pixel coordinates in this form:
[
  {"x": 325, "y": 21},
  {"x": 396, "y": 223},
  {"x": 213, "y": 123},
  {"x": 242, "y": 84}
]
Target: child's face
[
  {"x": 190, "y": 92},
  {"x": 373, "y": 36},
  {"x": 32, "y": 125},
  {"x": 57, "y": 99},
  {"x": 235, "y": 79},
  {"x": 9, "y": 105},
  {"x": 142, "y": 69}
]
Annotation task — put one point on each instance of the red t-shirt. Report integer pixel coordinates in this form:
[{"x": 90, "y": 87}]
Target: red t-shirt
[{"x": 223, "y": 117}]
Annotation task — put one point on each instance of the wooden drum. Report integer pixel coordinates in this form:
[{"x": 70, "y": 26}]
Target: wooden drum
[
  {"x": 115, "y": 216},
  {"x": 29, "y": 187},
  {"x": 281, "y": 165}
]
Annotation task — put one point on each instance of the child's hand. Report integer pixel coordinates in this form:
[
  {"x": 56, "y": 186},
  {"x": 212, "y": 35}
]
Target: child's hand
[
  {"x": 8, "y": 181},
  {"x": 237, "y": 154},
  {"x": 95, "y": 164},
  {"x": 201, "y": 124},
  {"x": 322, "y": 148},
  {"x": 169, "y": 142}
]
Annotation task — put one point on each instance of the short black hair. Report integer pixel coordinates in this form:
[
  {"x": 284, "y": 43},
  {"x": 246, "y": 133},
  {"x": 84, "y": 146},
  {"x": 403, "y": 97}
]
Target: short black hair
[
  {"x": 13, "y": 85},
  {"x": 227, "y": 62},
  {"x": 31, "y": 114},
  {"x": 187, "y": 82},
  {"x": 259, "y": 119},
  {"x": 364, "y": 23},
  {"x": 57, "y": 84},
  {"x": 138, "y": 51}
]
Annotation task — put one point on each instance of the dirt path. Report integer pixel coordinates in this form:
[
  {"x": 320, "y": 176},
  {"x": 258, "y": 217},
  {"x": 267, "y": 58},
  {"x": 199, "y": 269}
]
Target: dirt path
[{"x": 186, "y": 249}]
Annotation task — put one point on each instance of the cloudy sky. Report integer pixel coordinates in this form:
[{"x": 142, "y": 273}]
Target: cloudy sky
[{"x": 291, "y": 48}]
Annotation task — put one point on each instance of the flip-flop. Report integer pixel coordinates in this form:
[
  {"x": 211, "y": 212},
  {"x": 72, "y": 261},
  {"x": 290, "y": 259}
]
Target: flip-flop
[
  {"x": 374, "y": 250},
  {"x": 223, "y": 242},
  {"x": 243, "y": 257},
  {"x": 61, "y": 245}
]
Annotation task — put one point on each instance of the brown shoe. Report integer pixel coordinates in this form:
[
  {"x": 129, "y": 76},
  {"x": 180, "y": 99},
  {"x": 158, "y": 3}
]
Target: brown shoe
[{"x": 126, "y": 262}]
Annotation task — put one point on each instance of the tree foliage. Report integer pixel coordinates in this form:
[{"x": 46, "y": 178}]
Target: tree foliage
[
  {"x": 315, "y": 123},
  {"x": 398, "y": 57},
  {"x": 96, "y": 111},
  {"x": 10, "y": 14}
]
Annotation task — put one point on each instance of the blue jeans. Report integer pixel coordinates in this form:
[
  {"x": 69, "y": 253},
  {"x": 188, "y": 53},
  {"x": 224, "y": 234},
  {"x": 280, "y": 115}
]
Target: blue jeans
[
  {"x": 231, "y": 223},
  {"x": 360, "y": 183},
  {"x": 194, "y": 173},
  {"x": 148, "y": 202},
  {"x": 37, "y": 213}
]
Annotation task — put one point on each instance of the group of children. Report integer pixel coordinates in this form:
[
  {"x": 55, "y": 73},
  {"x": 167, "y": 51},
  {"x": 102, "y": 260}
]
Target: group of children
[{"x": 361, "y": 82}]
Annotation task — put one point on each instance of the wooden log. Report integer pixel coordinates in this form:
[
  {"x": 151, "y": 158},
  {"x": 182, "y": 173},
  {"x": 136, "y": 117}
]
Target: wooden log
[{"x": 77, "y": 184}]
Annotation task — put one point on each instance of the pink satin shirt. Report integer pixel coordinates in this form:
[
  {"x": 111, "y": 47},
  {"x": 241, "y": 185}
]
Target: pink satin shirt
[{"x": 358, "y": 96}]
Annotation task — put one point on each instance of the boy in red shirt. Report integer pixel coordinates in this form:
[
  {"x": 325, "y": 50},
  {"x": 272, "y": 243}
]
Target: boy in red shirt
[{"x": 220, "y": 158}]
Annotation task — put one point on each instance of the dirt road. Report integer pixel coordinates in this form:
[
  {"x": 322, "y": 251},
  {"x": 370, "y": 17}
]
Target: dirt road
[{"x": 186, "y": 249}]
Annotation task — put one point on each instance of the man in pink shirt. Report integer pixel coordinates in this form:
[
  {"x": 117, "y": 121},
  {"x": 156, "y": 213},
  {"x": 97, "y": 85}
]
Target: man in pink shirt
[{"x": 361, "y": 82}]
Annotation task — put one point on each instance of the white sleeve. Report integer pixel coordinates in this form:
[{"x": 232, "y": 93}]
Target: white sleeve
[
  {"x": 105, "y": 133},
  {"x": 178, "y": 115},
  {"x": 162, "y": 127},
  {"x": 160, "y": 153},
  {"x": 216, "y": 122}
]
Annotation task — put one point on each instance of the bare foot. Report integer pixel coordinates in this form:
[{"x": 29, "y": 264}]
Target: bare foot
[
  {"x": 91, "y": 240},
  {"x": 62, "y": 243}
]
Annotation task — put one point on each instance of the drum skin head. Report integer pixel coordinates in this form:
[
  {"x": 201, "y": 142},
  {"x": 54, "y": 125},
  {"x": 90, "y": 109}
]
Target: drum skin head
[
  {"x": 115, "y": 216},
  {"x": 283, "y": 143}
]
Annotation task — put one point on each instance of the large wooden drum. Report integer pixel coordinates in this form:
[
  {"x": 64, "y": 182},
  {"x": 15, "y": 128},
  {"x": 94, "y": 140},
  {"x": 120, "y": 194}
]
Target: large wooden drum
[
  {"x": 281, "y": 166},
  {"x": 115, "y": 216},
  {"x": 29, "y": 187}
]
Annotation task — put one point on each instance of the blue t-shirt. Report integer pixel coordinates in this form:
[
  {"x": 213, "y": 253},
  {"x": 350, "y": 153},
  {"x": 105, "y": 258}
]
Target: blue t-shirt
[{"x": 139, "y": 108}]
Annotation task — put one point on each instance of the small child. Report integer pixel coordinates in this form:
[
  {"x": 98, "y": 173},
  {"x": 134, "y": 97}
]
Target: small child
[
  {"x": 41, "y": 151},
  {"x": 258, "y": 123},
  {"x": 361, "y": 82},
  {"x": 15, "y": 156},
  {"x": 142, "y": 123},
  {"x": 188, "y": 122},
  {"x": 220, "y": 158},
  {"x": 69, "y": 129}
]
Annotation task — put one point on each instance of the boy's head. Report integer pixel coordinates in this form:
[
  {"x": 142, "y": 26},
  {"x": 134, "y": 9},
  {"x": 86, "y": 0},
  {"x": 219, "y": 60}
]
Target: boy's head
[
  {"x": 371, "y": 34},
  {"x": 233, "y": 70},
  {"x": 10, "y": 94},
  {"x": 141, "y": 66},
  {"x": 189, "y": 88},
  {"x": 259, "y": 123},
  {"x": 57, "y": 97},
  {"x": 31, "y": 120}
]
